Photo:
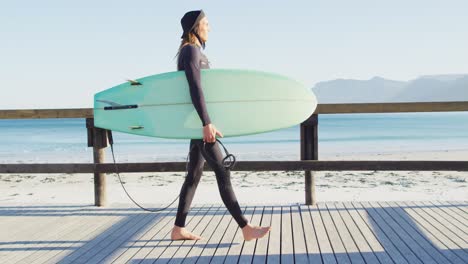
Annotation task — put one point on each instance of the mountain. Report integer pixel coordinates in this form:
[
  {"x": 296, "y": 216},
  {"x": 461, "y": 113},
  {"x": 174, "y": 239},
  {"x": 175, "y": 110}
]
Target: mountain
[
  {"x": 443, "y": 77},
  {"x": 427, "y": 88},
  {"x": 357, "y": 91}
]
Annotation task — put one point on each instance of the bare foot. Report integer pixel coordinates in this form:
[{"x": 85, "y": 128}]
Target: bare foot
[
  {"x": 253, "y": 232},
  {"x": 180, "y": 233}
]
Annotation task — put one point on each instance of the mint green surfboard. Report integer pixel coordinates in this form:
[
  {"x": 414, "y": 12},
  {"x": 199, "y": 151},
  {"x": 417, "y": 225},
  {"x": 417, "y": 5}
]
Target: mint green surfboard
[{"x": 239, "y": 102}]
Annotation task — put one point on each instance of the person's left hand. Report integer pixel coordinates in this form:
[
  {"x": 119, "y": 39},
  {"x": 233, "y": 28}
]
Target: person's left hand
[{"x": 210, "y": 132}]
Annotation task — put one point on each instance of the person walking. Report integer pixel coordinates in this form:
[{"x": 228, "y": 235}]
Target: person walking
[{"x": 191, "y": 60}]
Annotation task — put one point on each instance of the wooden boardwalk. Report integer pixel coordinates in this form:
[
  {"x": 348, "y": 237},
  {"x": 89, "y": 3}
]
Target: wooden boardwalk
[{"x": 350, "y": 232}]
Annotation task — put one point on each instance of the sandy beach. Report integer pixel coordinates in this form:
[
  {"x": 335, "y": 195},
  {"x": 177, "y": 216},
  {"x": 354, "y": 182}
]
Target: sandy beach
[{"x": 252, "y": 187}]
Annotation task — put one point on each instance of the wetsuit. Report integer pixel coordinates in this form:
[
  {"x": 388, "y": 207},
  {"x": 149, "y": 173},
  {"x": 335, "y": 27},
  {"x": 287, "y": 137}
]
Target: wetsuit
[{"x": 191, "y": 60}]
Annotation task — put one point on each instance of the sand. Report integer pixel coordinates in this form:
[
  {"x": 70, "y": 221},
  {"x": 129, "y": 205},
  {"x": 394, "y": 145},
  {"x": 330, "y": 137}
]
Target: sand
[{"x": 264, "y": 187}]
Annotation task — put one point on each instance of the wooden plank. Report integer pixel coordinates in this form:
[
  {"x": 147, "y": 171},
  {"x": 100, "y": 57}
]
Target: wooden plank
[
  {"x": 45, "y": 238},
  {"x": 350, "y": 233},
  {"x": 433, "y": 239},
  {"x": 46, "y": 113},
  {"x": 362, "y": 223},
  {"x": 274, "y": 238},
  {"x": 261, "y": 247},
  {"x": 440, "y": 216},
  {"x": 94, "y": 246},
  {"x": 227, "y": 240},
  {"x": 186, "y": 251},
  {"x": 458, "y": 208},
  {"x": 22, "y": 224},
  {"x": 300, "y": 249},
  {"x": 436, "y": 229},
  {"x": 10, "y": 228},
  {"x": 391, "y": 107},
  {"x": 19, "y": 236},
  {"x": 114, "y": 241},
  {"x": 323, "y": 238},
  {"x": 442, "y": 226},
  {"x": 348, "y": 242},
  {"x": 321, "y": 109},
  {"x": 460, "y": 214},
  {"x": 303, "y": 165},
  {"x": 427, "y": 228},
  {"x": 47, "y": 168},
  {"x": 195, "y": 225},
  {"x": 449, "y": 215},
  {"x": 434, "y": 232},
  {"x": 400, "y": 236},
  {"x": 156, "y": 236},
  {"x": 208, "y": 226},
  {"x": 287, "y": 242},
  {"x": 315, "y": 165},
  {"x": 399, "y": 252},
  {"x": 222, "y": 223},
  {"x": 435, "y": 225},
  {"x": 310, "y": 235},
  {"x": 337, "y": 244},
  {"x": 388, "y": 211},
  {"x": 132, "y": 247},
  {"x": 238, "y": 242},
  {"x": 86, "y": 232},
  {"x": 247, "y": 252},
  {"x": 10, "y": 216},
  {"x": 100, "y": 186},
  {"x": 309, "y": 151}
]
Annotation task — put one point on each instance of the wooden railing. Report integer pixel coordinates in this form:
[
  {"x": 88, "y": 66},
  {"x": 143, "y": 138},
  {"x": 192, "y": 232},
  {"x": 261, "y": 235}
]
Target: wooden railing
[{"x": 97, "y": 138}]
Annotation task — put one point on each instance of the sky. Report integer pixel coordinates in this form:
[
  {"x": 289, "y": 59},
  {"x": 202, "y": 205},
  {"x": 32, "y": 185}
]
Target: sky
[{"x": 58, "y": 54}]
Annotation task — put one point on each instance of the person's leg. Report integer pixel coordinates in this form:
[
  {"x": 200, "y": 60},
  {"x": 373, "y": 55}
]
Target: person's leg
[
  {"x": 194, "y": 172},
  {"x": 223, "y": 177}
]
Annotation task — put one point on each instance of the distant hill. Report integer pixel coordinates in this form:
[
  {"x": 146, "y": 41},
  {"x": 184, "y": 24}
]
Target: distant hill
[{"x": 427, "y": 88}]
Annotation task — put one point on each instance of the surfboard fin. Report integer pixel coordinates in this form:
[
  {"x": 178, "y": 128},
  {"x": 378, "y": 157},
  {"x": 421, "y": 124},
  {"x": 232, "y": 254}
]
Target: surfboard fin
[
  {"x": 133, "y": 82},
  {"x": 136, "y": 127},
  {"x": 109, "y": 102}
]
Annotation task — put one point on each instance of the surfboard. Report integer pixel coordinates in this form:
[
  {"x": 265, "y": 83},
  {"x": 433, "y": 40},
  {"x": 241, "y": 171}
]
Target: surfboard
[{"x": 239, "y": 102}]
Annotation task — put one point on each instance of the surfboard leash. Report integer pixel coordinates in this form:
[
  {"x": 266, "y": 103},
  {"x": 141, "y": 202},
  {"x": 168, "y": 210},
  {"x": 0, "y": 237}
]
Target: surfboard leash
[{"x": 228, "y": 164}]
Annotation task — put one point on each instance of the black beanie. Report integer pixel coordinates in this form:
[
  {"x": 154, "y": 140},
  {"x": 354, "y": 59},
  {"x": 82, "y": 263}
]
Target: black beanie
[{"x": 190, "y": 19}]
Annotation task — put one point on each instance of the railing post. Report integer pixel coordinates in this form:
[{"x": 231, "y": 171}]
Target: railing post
[
  {"x": 97, "y": 138},
  {"x": 309, "y": 151}
]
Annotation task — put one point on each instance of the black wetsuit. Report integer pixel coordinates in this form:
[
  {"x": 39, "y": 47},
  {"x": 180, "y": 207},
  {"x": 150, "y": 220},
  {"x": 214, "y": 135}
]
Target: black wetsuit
[{"x": 191, "y": 60}]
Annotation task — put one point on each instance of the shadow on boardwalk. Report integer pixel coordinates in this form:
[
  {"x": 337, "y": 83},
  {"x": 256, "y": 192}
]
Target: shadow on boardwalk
[{"x": 358, "y": 232}]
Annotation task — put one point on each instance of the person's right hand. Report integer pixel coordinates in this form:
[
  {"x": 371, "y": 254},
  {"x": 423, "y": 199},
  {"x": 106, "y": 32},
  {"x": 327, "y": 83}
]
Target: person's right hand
[{"x": 210, "y": 132}]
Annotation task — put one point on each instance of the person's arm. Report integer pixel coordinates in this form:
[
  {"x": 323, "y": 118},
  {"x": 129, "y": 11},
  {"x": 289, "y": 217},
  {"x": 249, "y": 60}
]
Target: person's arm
[{"x": 192, "y": 72}]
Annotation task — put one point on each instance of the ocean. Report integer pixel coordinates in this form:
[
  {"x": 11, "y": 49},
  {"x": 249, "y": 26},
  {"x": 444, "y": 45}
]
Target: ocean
[{"x": 65, "y": 140}]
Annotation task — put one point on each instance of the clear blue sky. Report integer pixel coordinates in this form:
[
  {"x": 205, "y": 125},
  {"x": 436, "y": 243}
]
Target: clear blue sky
[{"x": 57, "y": 54}]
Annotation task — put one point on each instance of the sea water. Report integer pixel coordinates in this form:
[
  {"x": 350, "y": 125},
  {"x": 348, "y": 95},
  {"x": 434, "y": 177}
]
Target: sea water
[{"x": 65, "y": 140}]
